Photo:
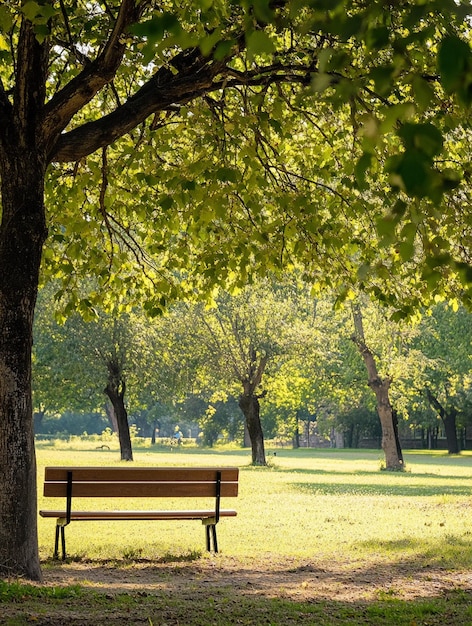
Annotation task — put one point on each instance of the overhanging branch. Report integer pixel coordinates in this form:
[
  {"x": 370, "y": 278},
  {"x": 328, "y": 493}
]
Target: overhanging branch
[
  {"x": 79, "y": 91},
  {"x": 198, "y": 76}
]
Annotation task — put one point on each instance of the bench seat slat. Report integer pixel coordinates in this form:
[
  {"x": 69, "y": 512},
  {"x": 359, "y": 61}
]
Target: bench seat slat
[{"x": 137, "y": 515}]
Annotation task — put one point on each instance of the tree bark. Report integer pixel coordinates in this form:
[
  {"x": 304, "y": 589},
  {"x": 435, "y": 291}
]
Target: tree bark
[
  {"x": 249, "y": 405},
  {"x": 380, "y": 386},
  {"x": 115, "y": 390},
  {"x": 22, "y": 233},
  {"x": 110, "y": 411}
]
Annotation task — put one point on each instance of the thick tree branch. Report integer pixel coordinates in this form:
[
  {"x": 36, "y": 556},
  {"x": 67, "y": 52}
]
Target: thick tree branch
[
  {"x": 197, "y": 76},
  {"x": 434, "y": 402},
  {"x": 257, "y": 379},
  {"x": 79, "y": 91},
  {"x": 163, "y": 90}
]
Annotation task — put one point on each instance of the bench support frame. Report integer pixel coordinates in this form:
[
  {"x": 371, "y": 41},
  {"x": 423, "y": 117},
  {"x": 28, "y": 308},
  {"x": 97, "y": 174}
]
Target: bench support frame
[{"x": 209, "y": 522}]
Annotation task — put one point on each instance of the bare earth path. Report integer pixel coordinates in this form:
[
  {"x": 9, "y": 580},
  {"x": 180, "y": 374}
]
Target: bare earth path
[
  {"x": 297, "y": 580},
  {"x": 223, "y": 590}
]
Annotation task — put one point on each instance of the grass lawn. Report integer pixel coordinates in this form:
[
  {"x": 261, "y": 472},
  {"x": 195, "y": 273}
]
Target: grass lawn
[{"x": 321, "y": 537}]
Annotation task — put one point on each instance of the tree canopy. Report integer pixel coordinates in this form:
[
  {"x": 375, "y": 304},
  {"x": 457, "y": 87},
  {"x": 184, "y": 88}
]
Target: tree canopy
[{"x": 333, "y": 136}]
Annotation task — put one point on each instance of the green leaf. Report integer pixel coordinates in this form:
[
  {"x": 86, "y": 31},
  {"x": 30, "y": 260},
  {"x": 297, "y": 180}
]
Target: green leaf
[
  {"x": 223, "y": 48},
  {"x": 385, "y": 227},
  {"x": 383, "y": 78},
  {"x": 320, "y": 82},
  {"x": 155, "y": 28},
  {"x": 259, "y": 42},
  {"x": 361, "y": 168},
  {"x": 377, "y": 38},
  {"x": 166, "y": 203},
  {"x": 205, "y": 4},
  {"x": 31, "y": 10},
  {"x": 6, "y": 19},
  {"x": 424, "y": 93},
  {"x": 406, "y": 247},
  {"x": 412, "y": 170},
  {"x": 406, "y": 250},
  {"x": 263, "y": 11},
  {"x": 455, "y": 68},
  {"x": 208, "y": 43},
  {"x": 425, "y": 138},
  {"x": 38, "y": 12},
  {"x": 227, "y": 174}
]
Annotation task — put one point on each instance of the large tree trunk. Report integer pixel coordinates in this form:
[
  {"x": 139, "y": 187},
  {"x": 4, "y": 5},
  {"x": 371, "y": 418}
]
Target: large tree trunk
[
  {"x": 22, "y": 234},
  {"x": 249, "y": 405},
  {"x": 115, "y": 390},
  {"x": 380, "y": 386},
  {"x": 449, "y": 420}
]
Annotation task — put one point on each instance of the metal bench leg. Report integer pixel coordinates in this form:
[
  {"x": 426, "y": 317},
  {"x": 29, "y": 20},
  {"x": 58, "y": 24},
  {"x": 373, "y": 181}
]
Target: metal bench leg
[
  {"x": 63, "y": 542},
  {"x": 215, "y": 542},
  {"x": 56, "y": 543},
  {"x": 211, "y": 538},
  {"x": 60, "y": 530}
]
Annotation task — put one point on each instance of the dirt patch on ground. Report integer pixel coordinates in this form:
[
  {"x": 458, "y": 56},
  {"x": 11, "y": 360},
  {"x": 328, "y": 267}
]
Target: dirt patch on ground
[
  {"x": 222, "y": 591},
  {"x": 301, "y": 580}
]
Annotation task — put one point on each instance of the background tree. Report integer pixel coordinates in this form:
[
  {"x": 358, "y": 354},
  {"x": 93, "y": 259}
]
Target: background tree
[
  {"x": 445, "y": 341},
  {"x": 88, "y": 360},
  {"x": 304, "y": 388},
  {"x": 380, "y": 385},
  {"x": 245, "y": 337}
]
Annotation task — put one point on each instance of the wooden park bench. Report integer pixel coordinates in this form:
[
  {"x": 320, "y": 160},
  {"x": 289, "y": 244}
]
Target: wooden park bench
[{"x": 72, "y": 483}]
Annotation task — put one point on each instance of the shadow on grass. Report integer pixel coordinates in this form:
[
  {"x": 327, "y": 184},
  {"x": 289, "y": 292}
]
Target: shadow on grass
[
  {"x": 406, "y": 476},
  {"x": 225, "y": 591},
  {"x": 136, "y": 610},
  {"x": 129, "y": 559},
  {"x": 378, "y": 489}
]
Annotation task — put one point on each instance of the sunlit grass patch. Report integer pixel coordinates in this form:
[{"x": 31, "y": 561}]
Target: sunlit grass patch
[{"x": 307, "y": 502}]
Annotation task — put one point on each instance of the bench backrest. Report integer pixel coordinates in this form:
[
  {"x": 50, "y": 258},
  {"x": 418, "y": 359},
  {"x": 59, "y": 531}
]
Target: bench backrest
[{"x": 150, "y": 482}]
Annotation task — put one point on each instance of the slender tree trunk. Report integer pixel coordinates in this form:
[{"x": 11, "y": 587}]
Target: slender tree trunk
[
  {"x": 110, "y": 411},
  {"x": 38, "y": 417},
  {"x": 249, "y": 405},
  {"x": 380, "y": 386},
  {"x": 115, "y": 390},
  {"x": 22, "y": 234},
  {"x": 449, "y": 420},
  {"x": 296, "y": 438},
  {"x": 397, "y": 437},
  {"x": 153, "y": 434},
  {"x": 450, "y": 428}
]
